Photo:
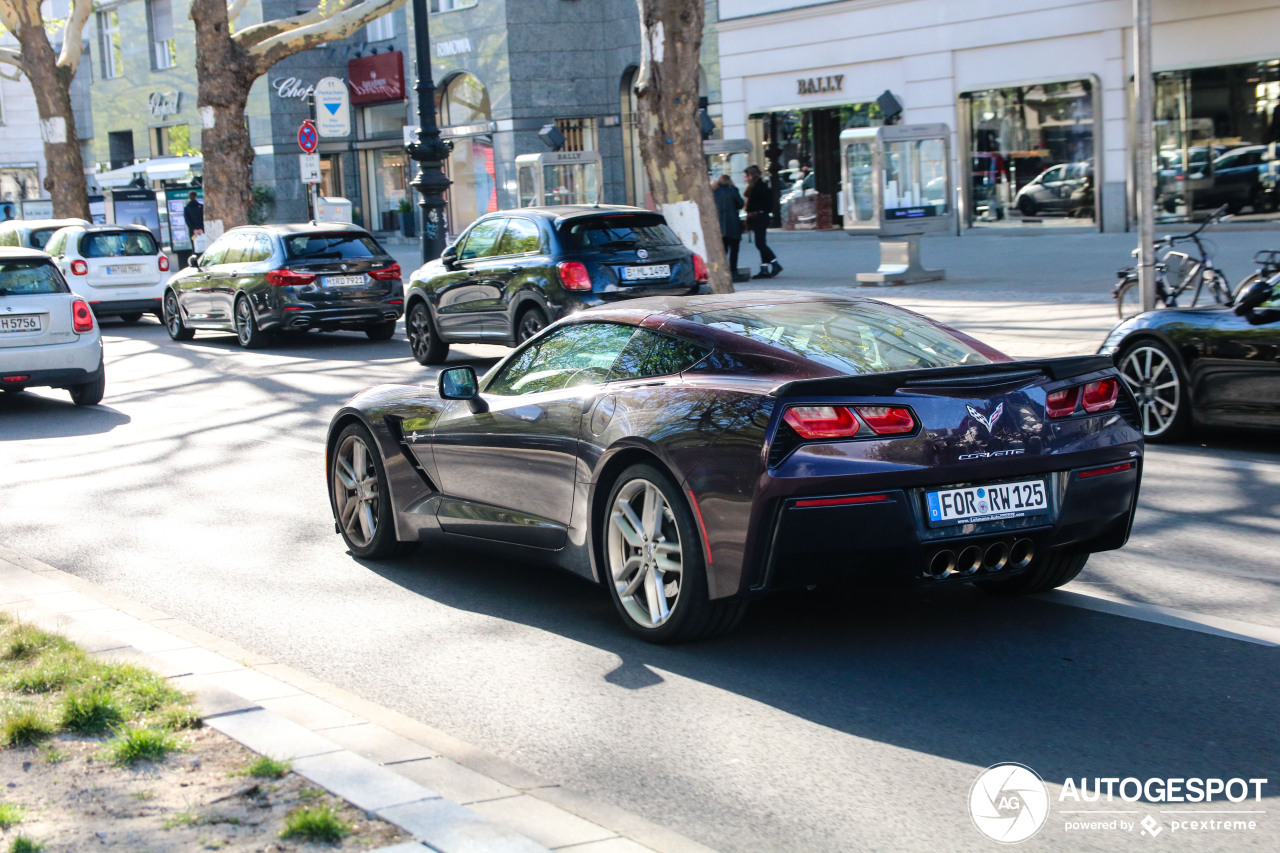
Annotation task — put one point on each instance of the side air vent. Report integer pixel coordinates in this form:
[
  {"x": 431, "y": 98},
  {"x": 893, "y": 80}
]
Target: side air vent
[{"x": 785, "y": 440}]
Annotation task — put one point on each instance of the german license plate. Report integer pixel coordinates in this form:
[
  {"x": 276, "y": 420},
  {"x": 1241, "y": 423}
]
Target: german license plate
[
  {"x": 20, "y": 323},
  {"x": 987, "y": 503},
  {"x": 651, "y": 271},
  {"x": 124, "y": 269},
  {"x": 344, "y": 281}
]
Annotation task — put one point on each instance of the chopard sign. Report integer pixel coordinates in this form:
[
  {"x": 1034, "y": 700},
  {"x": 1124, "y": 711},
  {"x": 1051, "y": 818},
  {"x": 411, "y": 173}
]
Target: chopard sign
[
  {"x": 292, "y": 87},
  {"x": 161, "y": 104},
  {"x": 817, "y": 85}
]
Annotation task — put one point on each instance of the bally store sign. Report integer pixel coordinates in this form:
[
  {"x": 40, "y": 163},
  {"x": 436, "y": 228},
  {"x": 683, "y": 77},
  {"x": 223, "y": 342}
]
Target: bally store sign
[
  {"x": 376, "y": 79},
  {"x": 820, "y": 85}
]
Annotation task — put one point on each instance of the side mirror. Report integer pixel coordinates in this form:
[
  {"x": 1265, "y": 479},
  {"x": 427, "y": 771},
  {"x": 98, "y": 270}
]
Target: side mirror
[
  {"x": 193, "y": 261},
  {"x": 449, "y": 256},
  {"x": 460, "y": 383}
]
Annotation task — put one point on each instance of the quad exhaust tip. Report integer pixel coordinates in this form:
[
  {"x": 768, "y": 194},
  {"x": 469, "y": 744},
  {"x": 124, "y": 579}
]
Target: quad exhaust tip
[
  {"x": 970, "y": 560},
  {"x": 996, "y": 557},
  {"x": 943, "y": 564},
  {"x": 974, "y": 559},
  {"x": 1022, "y": 553}
]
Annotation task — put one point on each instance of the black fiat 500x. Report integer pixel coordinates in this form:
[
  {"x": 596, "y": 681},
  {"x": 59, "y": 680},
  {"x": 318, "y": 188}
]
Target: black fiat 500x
[
  {"x": 513, "y": 272},
  {"x": 259, "y": 279}
]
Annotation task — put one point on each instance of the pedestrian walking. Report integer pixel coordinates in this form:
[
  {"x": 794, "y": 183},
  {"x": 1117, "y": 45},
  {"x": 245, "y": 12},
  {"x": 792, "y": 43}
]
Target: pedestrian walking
[
  {"x": 760, "y": 204},
  {"x": 728, "y": 203},
  {"x": 193, "y": 214}
]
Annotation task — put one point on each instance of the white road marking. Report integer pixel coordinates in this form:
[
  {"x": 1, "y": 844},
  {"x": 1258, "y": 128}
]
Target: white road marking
[{"x": 1187, "y": 620}]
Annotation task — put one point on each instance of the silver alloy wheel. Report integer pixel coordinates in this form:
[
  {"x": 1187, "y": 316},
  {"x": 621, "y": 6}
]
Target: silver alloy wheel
[
  {"x": 244, "y": 322},
  {"x": 171, "y": 318},
  {"x": 644, "y": 553},
  {"x": 355, "y": 491},
  {"x": 531, "y": 322},
  {"x": 1153, "y": 379}
]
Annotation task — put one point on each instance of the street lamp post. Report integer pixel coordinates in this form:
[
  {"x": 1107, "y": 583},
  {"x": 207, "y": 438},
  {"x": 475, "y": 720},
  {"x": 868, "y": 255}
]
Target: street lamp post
[{"x": 428, "y": 150}]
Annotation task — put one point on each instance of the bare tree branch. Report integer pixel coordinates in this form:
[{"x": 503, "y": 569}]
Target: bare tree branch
[
  {"x": 250, "y": 36},
  {"x": 234, "y": 8},
  {"x": 10, "y": 56},
  {"x": 72, "y": 38},
  {"x": 9, "y": 17},
  {"x": 333, "y": 28}
]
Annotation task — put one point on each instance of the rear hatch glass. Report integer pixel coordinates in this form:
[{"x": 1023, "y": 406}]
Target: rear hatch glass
[
  {"x": 117, "y": 244},
  {"x": 27, "y": 277},
  {"x": 341, "y": 262},
  {"x": 331, "y": 247},
  {"x": 34, "y": 303},
  {"x": 619, "y": 232}
]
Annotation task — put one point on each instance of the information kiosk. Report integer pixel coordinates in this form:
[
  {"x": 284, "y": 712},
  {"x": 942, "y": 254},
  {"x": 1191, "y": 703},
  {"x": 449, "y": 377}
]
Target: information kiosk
[
  {"x": 727, "y": 157},
  {"x": 558, "y": 177},
  {"x": 897, "y": 185}
]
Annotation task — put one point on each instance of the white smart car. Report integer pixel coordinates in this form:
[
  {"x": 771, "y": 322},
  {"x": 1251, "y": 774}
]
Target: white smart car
[
  {"x": 48, "y": 336},
  {"x": 119, "y": 269},
  {"x": 33, "y": 233}
]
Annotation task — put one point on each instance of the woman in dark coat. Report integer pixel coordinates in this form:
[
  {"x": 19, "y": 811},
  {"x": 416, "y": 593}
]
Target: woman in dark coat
[
  {"x": 728, "y": 203},
  {"x": 759, "y": 208}
]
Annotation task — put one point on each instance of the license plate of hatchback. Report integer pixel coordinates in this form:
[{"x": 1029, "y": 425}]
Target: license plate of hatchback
[
  {"x": 651, "y": 271},
  {"x": 20, "y": 323},
  {"x": 987, "y": 503},
  {"x": 344, "y": 281},
  {"x": 125, "y": 269}
]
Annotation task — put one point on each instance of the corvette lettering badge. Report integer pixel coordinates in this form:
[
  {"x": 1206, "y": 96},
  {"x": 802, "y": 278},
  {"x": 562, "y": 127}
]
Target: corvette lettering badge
[{"x": 984, "y": 420}]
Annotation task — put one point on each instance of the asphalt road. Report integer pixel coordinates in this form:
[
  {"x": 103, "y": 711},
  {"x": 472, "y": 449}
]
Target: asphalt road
[{"x": 824, "y": 723}]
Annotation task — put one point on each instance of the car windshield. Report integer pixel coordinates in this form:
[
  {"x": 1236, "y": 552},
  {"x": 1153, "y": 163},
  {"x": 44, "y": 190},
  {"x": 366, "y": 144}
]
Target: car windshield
[
  {"x": 854, "y": 339},
  {"x": 619, "y": 231},
  {"x": 331, "y": 246},
  {"x": 23, "y": 277},
  {"x": 115, "y": 244}
]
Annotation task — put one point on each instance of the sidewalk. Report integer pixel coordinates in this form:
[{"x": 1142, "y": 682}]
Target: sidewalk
[{"x": 452, "y": 797}]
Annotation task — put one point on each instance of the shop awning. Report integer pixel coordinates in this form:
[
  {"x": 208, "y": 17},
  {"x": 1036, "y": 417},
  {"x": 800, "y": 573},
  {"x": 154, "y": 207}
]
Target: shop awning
[{"x": 157, "y": 169}]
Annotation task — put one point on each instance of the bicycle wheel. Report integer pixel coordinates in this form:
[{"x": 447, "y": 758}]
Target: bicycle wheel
[
  {"x": 1128, "y": 298},
  {"x": 1212, "y": 286}
]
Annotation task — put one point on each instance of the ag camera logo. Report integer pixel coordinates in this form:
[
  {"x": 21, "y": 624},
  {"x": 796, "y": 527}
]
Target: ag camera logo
[{"x": 1008, "y": 803}]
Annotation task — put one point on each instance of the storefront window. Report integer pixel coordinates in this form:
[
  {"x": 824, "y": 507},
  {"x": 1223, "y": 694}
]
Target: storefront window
[
  {"x": 1016, "y": 138},
  {"x": 174, "y": 140},
  {"x": 390, "y": 182},
  {"x": 464, "y": 103},
  {"x": 16, "y": 183},
  {"x": 571, "y": 184}
]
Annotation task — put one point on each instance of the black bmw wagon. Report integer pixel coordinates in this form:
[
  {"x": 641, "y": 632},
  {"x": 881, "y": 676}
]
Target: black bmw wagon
[{"x": 513, "y": 272}]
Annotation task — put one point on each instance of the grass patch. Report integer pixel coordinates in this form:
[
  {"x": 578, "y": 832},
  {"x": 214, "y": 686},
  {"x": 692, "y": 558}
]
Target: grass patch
[
  {"x": 90, "y": 710},
  {"x": 130, "y": 746},
  {"x": 22, "y": 724},
  {"x": 24, "y": 642},
  {"x": 50, "y": 670},
  {"x": 143, "y": 796},
  {"x": 265, "y": 767},
  {"x": 11, "y": 814},
  {"x": 177, "y": 718},
  {"x": 50, "y": 754},
  {"x": 315, "y": 823},
  {"x": 310, "y": 794},
  {"x": 22, "y": 844},
  {"x": 187, "y": 818}
]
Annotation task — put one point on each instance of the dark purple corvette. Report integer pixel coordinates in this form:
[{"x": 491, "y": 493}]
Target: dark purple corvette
[{"x": 693, "y": 453}]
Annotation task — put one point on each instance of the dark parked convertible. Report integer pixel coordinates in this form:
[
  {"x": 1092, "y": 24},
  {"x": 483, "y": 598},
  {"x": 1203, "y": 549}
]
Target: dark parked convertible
[{"x": 693, "y": 453}]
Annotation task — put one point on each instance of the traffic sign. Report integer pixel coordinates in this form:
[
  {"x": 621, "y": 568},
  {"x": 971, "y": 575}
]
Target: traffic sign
[
  {"x": 308, "y": 140},
  {"x": 333, "y": 111},
  {"x": 309, "y": 166}
]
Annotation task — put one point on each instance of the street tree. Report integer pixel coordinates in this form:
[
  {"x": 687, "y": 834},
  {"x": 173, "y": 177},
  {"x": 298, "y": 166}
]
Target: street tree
[
  {"x": 50, "y": 72},
  {"x": 228, "y": 61},
  {"x": 670, "y": 132}
]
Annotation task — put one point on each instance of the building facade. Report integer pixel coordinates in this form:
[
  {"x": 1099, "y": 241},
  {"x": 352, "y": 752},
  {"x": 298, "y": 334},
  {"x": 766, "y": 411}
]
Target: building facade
[{"x": 1037, "y": 94}]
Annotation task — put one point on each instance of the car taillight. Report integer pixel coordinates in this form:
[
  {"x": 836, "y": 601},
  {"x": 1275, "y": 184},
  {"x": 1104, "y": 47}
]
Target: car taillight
[
  {"x": 81, "y": 316},
  {"x": 574, "y": 276},
  {"x": 1062, "y": 402},
  {"x": 386, "y": 273},
  {"x": 163, "y": 261},
  {"x": 1100, "y": 396},
  {"x": 284, "y": 278},
  {"x": 821, "y": 421},
  {"x": 888, "y": 420},
  {"x": 700, "y": 269},
  {"x": 79, "y": 268}
]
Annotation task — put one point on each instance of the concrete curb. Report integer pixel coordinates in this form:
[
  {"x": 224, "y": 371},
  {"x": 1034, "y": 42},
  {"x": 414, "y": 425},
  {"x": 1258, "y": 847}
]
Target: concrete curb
[{"x": 451, "y": 796}]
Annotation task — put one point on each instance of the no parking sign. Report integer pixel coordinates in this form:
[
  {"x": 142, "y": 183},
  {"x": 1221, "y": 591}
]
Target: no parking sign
[{"x": 308, "y": 140}]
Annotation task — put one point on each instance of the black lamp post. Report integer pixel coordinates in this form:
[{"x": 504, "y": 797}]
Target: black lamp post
[{"x": 429, "y": 151}]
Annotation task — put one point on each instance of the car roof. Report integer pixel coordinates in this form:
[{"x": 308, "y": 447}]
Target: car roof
[
  {"x": 116, "y": 226},
  {"x": 679, "y": 307},
  {"x": 33, "y": 224},
  {"x": 305, "y": 228},
  {"x": 564, "y": 212},
  {"x": 10, "y": 253}
]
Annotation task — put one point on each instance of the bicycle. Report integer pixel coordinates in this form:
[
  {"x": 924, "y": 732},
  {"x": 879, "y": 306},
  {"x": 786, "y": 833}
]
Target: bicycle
[
  {"x": 1183, "y": 268},
  {"x": 1268, "y": 261}
]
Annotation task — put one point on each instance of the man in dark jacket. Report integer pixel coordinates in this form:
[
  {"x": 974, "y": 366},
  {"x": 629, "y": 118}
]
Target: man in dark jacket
[
  {"x": 193, "y": 213},
  {"x": 760, "y": 204},
  {"x": 728, "y": 203}
]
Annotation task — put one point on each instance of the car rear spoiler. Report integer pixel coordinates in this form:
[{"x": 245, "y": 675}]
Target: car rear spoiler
[{"x": 968, "y": 376}]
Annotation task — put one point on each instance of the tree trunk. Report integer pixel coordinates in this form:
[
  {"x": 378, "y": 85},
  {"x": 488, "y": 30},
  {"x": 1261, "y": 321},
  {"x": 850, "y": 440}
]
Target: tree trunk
[
  {"x": 225, "y": 73},
  {"x": 64, "y": 164},
  {"x": 670, "y": 136}
]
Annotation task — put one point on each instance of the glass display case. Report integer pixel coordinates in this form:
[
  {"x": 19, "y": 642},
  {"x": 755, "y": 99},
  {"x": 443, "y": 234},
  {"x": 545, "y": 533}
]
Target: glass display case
[{"x": 558, "y": 177}]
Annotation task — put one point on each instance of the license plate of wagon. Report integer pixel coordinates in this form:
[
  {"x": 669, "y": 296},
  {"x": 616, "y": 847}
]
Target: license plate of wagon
[{"x": 987, "y": 502}]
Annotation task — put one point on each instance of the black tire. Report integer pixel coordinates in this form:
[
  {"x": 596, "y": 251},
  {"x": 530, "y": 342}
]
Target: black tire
[
  {"x": 172, "y": 318},
  {"x": 1051, "y": 571},
  {"x": 424, "y": 341},
  {"x": 1128, "y": 298},
  {"x": 530, "y": 321},
  {"x": 90, "y": 393},
  {"x": 1164, "y": 410},
  {"x": 359, "y": 482},
  {"x": 131, "y": 317},
  {"x": 247, "y": 331},
  {"x": 1027, "y": 206},
  {"x": 382, "y": 332},
  {"x": 689, "y": 613},
  {"x": 1261, "y": 201}
]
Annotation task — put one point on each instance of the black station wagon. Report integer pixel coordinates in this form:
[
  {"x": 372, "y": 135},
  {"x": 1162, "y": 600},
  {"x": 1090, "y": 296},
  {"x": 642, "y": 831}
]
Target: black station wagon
[
  {"x": 257, "y": 280},
  {"x": 513, "y": 272}
]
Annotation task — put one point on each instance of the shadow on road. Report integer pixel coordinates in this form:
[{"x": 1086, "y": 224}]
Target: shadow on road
[{"x": 26, "y": 415}]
